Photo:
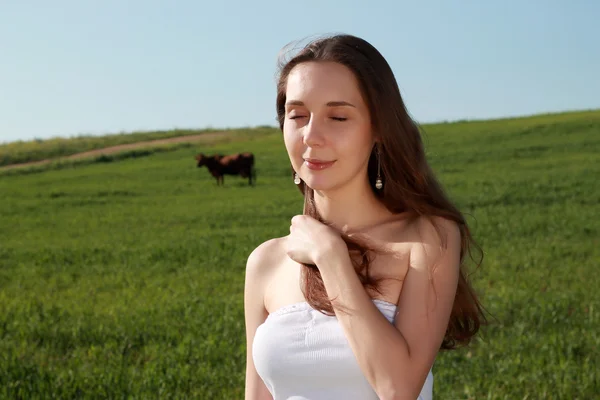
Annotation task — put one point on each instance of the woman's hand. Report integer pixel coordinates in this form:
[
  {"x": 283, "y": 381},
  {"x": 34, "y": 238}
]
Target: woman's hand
[{"x": 311, "y": 241}]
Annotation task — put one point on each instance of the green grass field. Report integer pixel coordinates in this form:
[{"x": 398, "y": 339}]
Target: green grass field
[{"x": 125, "y": 279}]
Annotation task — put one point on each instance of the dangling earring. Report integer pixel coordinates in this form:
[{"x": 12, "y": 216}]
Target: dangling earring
[
  {"x": 378, "y": 182},
  {"x": 296, "y": 179}
]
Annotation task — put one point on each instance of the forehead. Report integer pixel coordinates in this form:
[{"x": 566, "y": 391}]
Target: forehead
[{"x": 322, "y": 81}]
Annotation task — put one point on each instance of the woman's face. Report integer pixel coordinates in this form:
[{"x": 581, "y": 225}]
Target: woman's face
[{"x": 327, "y": 127}]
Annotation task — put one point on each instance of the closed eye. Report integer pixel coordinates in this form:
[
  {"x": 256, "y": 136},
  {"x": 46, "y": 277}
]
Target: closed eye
[
  {"x": 297, "y": 116},
  {"x": 339, "y": 118}
]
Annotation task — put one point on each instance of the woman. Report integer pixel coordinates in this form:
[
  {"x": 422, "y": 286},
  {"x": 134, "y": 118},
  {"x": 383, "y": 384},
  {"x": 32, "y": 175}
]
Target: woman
[{"x": 358, "y": 299}]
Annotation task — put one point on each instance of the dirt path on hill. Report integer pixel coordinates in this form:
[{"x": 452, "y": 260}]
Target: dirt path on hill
[{"x": 204, "y": 137}]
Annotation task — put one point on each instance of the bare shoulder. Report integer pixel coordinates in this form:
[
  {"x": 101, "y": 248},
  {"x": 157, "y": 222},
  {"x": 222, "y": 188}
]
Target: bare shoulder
[
  {"x": 262, "y": 259},
  {"x": 260, "y": 267},
  {"x": 435, "y": 230},
  {"x": 425, "y": 230},
  {"x": 434, "y": 237}
]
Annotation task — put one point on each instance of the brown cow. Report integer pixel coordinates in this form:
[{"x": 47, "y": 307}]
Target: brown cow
[{"x": 235, "y": 164}]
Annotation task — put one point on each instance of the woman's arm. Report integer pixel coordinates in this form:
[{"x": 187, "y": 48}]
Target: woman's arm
[
  {"x": 396, "y": 359},
  {"x": 255, "y": 314}
]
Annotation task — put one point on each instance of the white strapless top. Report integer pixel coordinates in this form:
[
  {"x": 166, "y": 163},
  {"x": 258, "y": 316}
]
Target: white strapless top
[{"x": 302, "y": 354}]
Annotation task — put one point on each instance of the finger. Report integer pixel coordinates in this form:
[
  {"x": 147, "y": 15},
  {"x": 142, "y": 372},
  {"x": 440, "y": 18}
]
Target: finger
[{"x": 296, "y": 219}]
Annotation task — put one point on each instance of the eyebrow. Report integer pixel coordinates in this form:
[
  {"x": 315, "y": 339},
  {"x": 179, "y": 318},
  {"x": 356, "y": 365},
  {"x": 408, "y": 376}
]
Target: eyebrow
[{"x": 330, "y": 104}]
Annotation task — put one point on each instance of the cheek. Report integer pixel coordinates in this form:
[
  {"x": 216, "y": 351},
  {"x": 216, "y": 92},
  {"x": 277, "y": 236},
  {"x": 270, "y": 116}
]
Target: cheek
[
  {"x": 293, "y": 144},
  {"x": 357, "y": 143}
]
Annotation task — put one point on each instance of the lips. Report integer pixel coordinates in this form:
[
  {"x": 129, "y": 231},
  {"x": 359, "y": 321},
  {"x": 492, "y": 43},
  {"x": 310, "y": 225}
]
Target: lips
[{"x": 316, "y": 164}]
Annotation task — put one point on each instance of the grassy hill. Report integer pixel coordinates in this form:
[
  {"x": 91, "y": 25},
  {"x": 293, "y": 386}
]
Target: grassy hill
[
  {"x": 126, "y": 278},
  {"x": 34, "y": 156}
]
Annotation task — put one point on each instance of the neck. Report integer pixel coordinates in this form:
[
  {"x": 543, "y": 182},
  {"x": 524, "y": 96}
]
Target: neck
[{"x": 351, "y": 208}]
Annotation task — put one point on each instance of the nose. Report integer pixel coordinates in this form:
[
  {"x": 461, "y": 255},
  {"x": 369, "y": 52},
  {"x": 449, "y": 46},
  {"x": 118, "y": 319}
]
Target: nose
[{"x": 313, "y": 134}]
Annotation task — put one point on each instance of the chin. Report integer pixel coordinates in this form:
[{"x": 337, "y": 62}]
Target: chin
[{"x": 320, "y": 184}]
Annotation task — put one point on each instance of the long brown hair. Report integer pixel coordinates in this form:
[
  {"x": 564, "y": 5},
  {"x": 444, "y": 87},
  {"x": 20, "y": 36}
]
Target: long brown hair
[{"x": 409, "y": 184}]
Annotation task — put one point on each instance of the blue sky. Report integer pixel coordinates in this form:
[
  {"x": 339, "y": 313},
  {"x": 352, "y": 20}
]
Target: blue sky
[{"x": 97, "y": 67}]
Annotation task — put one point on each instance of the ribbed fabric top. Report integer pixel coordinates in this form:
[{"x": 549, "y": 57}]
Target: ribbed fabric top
[{"x": 302, "y": 354}]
